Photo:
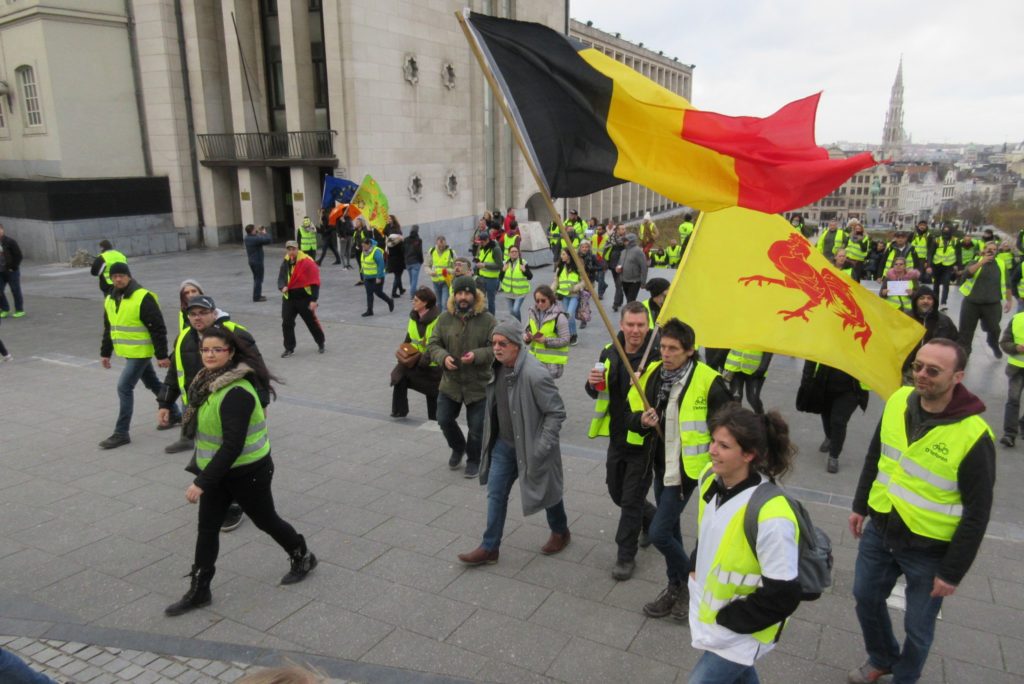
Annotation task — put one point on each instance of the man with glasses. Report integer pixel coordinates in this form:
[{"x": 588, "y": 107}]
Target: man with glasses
[
  {"x": 186, "y": 361},
  {"x": 134, "y": 329},
  {"x": 921, "y": 508}
]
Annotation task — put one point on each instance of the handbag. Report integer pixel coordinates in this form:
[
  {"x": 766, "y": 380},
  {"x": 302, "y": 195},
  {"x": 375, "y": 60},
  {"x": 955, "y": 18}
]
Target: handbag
[
  {"x": 408, "y": 355},
  {"x": 810, "y": 397}
]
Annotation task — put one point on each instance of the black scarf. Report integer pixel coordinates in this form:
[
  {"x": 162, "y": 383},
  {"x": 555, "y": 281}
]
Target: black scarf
[{"x": 669, "y": 378}]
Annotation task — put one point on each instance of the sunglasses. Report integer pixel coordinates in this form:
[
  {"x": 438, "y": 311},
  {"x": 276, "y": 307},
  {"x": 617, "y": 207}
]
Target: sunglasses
[
  {"x": 499, "y": 343},
  {"x": 930, "y": 371}
]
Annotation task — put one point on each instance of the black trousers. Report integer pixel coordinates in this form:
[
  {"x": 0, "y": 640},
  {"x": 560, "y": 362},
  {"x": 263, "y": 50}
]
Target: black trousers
[
  {"x": 292, "y": 307},
  {"x": 740, "y": 383},
  {"x": 631, "y": 290},
  {"x": 375, "y": 287},
  {"x": 943, "y": 276},
  {"x": 989, "y": 314},
  {"x": 400, "y": 399},
  {"x": 330, "y": 238},
  {"x": 628, "y": 475},
  {"x": 257, "y": 280},
  {"x": 396, "y": 284},
  {"x": 836, "y": 414},
  {"x": 619, "y": 294},
  {"x": 252, "y": 493}
]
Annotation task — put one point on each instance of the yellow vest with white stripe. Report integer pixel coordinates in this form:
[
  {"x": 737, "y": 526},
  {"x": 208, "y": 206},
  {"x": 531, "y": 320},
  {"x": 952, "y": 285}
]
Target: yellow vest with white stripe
[
  {"x": 600, "y": 422},
  {"x": 945, "y": 252},
  {"x": 369, "y": 262},
  {"x": 488, "y": 264},
  {"x": 111, "y": 256},
  {"x": 735, "y": 571},
  {"x": 130, "y": 337},
  {"x": 307, "y": 237},
  {"x": 740, "y": 361},
  {"x": 420, "y": 342},
  {"x": 210, "y": 432},
  {"x": 902, "y": 302},
  {"x": 567, "y": 279},
  {"x": 837, "y": 242},
  {"x": 180, "y": 369},
  {"x": 440, "y": 261},
  {"x": 515, "y": 281},
  {"x": 857, "y": 250},
  {"x": 507, "y": 244},
  {"x": 539, "y": 349},
  {"x": 920, "y": 244},
  {"x": 1017, "y": 326},
  {"x": 674, "y": 254},
  {"x": 919, "y": 480},
  {"x": 968, "y": 285},
  {"x": 693, "y": 416}
]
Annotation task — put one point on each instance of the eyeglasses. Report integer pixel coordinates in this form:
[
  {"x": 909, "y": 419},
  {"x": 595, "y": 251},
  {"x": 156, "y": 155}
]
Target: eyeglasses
[
  {"x": 541, "y": 300},
  {"x": 199, "y": 312},
  {"x": 214, "y": 350},
  {"x": 499, "y": 343},
  {"x": 930, "y": 371}
]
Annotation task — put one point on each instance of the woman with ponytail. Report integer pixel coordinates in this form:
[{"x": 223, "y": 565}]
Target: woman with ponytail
[{"x": 740, "y": 597}]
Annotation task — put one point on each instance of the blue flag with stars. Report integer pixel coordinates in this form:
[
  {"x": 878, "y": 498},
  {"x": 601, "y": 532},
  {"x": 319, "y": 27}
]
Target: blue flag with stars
[{"x": 338, "y": 190}]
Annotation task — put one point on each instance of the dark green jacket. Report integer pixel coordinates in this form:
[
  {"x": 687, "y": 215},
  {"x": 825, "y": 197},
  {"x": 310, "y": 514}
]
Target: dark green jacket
[{"x": 455, "y": 335}]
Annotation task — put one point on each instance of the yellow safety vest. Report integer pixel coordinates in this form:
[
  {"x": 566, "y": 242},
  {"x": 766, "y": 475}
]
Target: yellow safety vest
[
  {"x": 420, "y": 342},
  {"x": 901, "y": 302},
  {"x": 210, "y": 433},
  {"x": 440, "y": 261},
  {"x": 488, "y": 266},
  {"x": 600, "y": 422},
  {"x": 857, "y": 250},
  {"x": 514, "y": 281},
  {"x": 111, "y": 256},
  {"x": 602, "y": 246},
  {"x": 685, "y": 228},
  {"x": 735, "y": 571},
  {"x": 919, "y": 480},
  {"x": 180, "y": 368},
  {"x": 968, "y": 285},
  {"x": 674, "y": 254},
  {"x": 567, "y": 279},
  {"x": 693, "y": 416},
  {"x": 650, "y": 314},
  {"x": 837, "y": 243},
  {"x": 369, "y": 262},
  {"x": 130, "y": 337},
  {"x": 307, "y": 237},
  {"x": 507, "y": 246},
  {"x": 544, "y": 353},
  {"x": 945, "y": 252},
  {"x": 1017, "y": 326},
  {"x": 920, "y": 244},
  {"x": 659, "y": 259},
  {"x": 739, "y": 361},
  {"x": 968, "y": 250}
]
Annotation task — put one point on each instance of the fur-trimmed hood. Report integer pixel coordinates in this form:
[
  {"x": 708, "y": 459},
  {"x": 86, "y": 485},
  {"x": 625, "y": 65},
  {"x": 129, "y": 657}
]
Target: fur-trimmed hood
[
  {"x": 478, "y": 307},
  {"x": 236, "y": 373}
]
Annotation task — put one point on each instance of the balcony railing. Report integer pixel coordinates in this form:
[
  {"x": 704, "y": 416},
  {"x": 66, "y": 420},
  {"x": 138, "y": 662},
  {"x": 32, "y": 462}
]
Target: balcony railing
[{"x": 294, "y": 148}]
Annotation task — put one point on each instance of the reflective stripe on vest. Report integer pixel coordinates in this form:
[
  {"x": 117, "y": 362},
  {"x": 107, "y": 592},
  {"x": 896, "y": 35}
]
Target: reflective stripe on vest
[
  {"x": 919, "y": 480},
  {"x": 210, "y": 433},
  {"x": 600, "y": 422},
  {"x": 130, "y": 337},
  {"x": 567, "y": 280},
  {"x": 369, "y": 262},
  {"x": 735, "y": 571},
  {"x": 111, "y": 256},
  {"x": 968, "y": 285},
  {"x": 1017, "y": 326},
  {"x": 514, "y": 281},
  {"x": 420, "y": 342},
  {"x": 945, "y": 252},
  {"x": 674, "y": 254},
  {"x": 920, "y": 244},
  {"x": 544, "y": 353},
  {"x": 440, "y": 261},
  {"x": 740, "y": 361},
  {"x": 180, "y": 367},
  {"x": 307, "y": 238},
  {"x": 857, "y": 250},
  {"x": 488, "y": 265}
]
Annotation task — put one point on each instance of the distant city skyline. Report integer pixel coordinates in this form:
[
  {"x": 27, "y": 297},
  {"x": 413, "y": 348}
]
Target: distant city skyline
[{"x": 962, "y": 62}]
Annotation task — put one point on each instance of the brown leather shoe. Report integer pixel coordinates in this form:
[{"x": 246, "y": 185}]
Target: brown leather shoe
[
  {"x": 556, "y": 542},
  {"x": 479, "y": 556}
]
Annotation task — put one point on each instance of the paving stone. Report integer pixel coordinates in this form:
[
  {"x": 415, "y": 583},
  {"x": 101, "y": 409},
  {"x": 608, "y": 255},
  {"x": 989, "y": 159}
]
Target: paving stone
[
  {"x": 414, "y": 570},
  {"x": 346, "y": 550},
  {"x": 1009, "y": 594},
  {"x": 416, "y": 611},
  {"x": 411, "y": 536},
  {"x": 588, "y": 619},
  {"x": 500, "y": 594},
  {"x": 117, "y": 665},
  {"x": 572, "y": 578},
  {"x": 117, "y": 556},
  {"x": 414, "y": 652},
  {"x": 966, "y": 644},
  {"x": 666, "y": 641},
  {"x": 89, "y": 675},
  {"x": 510, "y": 640},
  {"x": 332, "y": 631},
  {"x": 59, "y": 536},
  {"x": 256, "y": 604},
  {"x": 215, "y": 668},
  {"x": 781, "y": 667},
  {"x": 91, "y": 595},
  {"x": 407, "y": 507},
  {"x": 585, "y": 661},
  {"x": 231, "y": 675},
  {"x": 131, "y": 672},
  {"x": 840, "y": 648},
  {"x": 341, "y": 587},
  {"x": 959, "y": 671},
  {"x": 344, "y": 518}
]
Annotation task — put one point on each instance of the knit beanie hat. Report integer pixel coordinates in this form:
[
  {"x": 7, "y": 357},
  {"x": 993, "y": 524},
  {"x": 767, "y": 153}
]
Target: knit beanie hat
[
  {"x": 120, "y": 268},
  {"x": 510, "y": 330},
  {"x": 464, "y": 283}
]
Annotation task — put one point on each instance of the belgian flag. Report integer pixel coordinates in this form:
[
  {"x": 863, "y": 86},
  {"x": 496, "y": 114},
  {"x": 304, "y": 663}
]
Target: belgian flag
[{"x": 591, "y": 122}]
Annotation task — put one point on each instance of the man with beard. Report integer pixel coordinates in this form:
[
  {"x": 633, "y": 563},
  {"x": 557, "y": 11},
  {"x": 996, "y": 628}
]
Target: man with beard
[
  {"x": 460, "y": 344},
  {"x": 927, "y": 486},
  {"x": 936, "y": 324}
]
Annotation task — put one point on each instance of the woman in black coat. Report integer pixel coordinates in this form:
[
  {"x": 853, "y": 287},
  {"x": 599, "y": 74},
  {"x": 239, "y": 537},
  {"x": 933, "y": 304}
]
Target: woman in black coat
[{"x": 395, "y": 254}]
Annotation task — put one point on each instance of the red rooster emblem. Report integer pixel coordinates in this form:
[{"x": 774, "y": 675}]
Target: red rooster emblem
[{"x": 821, "y": 287}]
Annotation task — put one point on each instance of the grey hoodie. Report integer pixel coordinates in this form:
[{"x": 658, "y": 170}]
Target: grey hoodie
[{"x": 633, "y": 262}]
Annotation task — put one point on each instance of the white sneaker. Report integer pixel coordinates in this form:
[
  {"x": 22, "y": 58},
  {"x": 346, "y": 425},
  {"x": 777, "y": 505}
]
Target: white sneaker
[{"x": 8, "y": 358}]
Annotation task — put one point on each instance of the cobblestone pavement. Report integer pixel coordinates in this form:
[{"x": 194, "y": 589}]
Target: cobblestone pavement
[{"x": 93, "y": 544}]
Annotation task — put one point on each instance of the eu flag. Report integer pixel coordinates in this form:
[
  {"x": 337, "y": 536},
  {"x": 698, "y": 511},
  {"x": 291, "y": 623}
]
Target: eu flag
[{"x": 337, "y": 190}]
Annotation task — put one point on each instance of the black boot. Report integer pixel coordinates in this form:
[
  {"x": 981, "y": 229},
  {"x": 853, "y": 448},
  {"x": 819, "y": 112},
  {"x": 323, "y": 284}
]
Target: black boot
[
  {"x": 303, "y": 562},
  {"x": 198, "y": 594}
]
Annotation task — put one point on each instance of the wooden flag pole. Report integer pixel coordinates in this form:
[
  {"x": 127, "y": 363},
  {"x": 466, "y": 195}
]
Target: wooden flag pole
[{"x": 499, "y": 96}]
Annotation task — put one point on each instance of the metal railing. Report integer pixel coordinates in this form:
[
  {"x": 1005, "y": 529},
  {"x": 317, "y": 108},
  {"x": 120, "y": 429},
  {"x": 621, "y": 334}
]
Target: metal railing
[{"x": 294, "y": 148}]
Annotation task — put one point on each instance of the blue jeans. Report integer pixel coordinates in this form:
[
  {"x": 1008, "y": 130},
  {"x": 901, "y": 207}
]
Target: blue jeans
[
  {"x": 135, "y": 370},
  {"x": 875, "y": 575},
  {"x": 414, "y": 277},
  {"x": 515, "y": 307},
  {"x": 714, "y": 669},
  {"x": 441, "y": 290},
  {"x": 500, "y": 478},
  {"x": 13, "y": 670},
  {"x": 12, "y": 278},
  {"x": 569, "y": 305},
  {"x": 447, "y": 412},
  {"x": 490, "y": 287},
  {"x": 665, "y": 533}
]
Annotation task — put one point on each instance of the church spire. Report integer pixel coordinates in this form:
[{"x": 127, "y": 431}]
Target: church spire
[{"x": 893, "y": 135}]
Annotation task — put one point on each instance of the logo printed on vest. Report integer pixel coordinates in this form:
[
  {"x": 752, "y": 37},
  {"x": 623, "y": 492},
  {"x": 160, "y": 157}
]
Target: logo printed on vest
[
  {"x": 939, "y": 451},
  {"x": 700, "y": 403}
]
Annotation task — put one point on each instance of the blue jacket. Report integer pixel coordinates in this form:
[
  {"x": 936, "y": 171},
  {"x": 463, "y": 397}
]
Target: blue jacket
[{"x": 254, "y": 248}]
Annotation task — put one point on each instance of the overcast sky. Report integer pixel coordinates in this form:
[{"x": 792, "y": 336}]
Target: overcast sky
[{"x": 963, "y": 61}]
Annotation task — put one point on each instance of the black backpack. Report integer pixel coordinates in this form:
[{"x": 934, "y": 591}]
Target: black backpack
[{"x": 815, "y": 564}]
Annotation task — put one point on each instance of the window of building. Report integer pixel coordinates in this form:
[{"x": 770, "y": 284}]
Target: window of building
[
  {"x": 3, "y": 119},
  {"x": 319, "y": 74},
  {"x": 30, "y": 107}
]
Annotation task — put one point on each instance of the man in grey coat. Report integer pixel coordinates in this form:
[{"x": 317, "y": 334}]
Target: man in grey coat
[
  {"x": 522, "y": 420},
  {"x": 632, "y": 268}
]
